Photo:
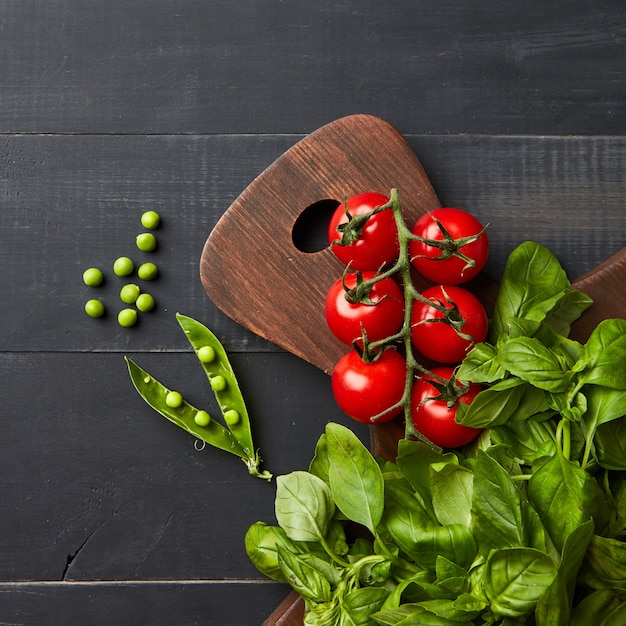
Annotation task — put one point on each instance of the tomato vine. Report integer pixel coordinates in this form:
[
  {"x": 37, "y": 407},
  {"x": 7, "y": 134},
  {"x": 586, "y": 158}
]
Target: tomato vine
[{"x": 401, "y": 269}]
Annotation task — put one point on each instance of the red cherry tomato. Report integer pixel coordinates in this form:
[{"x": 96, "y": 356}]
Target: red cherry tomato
[
  {"x": 347, "y": 321},
  {"x": 377, "y": 244},
  {"x": 364, "y": 390},
  {"x": 439, "y": 340},
  {"x": 434, "y": 418},
  {"x": 452, "y": 270}
]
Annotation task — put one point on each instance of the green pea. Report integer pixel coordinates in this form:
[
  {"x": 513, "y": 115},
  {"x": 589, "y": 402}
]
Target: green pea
[
  {"x": 206, "y": 354},
  {"x": 146, "y": 242},
  {"x": 127, "y": 318},
  {"x": 147, "y": 271},
  {"x": 145, "y": 302},
  {"x": 94, "y": 308},
  {"x": 93, "y": 277},
  {"x": 218, "y": 383},
  {"x": 150, "y": 219},
  {"x": 202, "y": 418},
  {"x": 231, "y": 417},
  {"x": 129, "y": 293},
  {"x": 123, "y": 266},
  {"x": 173, "y": 399}
]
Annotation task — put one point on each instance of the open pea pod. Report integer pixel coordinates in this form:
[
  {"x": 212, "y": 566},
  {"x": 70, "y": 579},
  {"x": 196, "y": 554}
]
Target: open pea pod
[
  {"x": 217, "y": 367},
  {"x": 237, "y": 438}
]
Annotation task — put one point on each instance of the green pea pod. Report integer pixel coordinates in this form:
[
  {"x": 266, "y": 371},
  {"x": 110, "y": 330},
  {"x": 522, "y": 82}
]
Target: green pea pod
[
  {"x": 222, "y": 379},
  {"x": 237, "y": 438},
  {"x": 155, "y": 394}
]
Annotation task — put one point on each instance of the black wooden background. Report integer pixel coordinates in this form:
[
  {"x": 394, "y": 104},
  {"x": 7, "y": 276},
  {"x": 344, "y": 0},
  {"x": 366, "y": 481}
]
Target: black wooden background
[{"x": 109, "y": 514}]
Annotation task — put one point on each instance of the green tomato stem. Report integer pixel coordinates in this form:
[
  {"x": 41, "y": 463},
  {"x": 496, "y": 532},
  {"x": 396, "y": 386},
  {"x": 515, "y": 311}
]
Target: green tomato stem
[{"x": 402, "y": 267}]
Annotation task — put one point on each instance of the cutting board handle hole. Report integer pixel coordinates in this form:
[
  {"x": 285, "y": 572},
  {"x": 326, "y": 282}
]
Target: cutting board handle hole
[{"x": 310, "y": 230}]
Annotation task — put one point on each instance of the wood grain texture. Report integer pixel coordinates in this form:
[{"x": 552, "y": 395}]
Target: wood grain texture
[
  {"x": 75, "y": 201},
  {"x": 160, "y": 603},
  {"x": 250, "y": 266},
  {"x": 97, "y": 486},
  {"x": 253, "y": 271},
  {"x": 188, "y": 66},
  {"x": 290, "y": 612},
  {"x": 517, "y": 112}
]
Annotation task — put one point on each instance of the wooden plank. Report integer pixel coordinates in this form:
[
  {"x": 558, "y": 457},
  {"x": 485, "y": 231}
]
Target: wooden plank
[
  {"x": 97, "y": 486},
  {"x": 184, "y": 603},
  {"x": 69, "y": 202},
  {"x": 564, "y": 192},
  {"x": 187, "y": 66}
]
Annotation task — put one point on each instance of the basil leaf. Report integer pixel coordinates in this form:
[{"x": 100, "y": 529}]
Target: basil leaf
[
  {"x": 603, "y": 359},
  {"x": 303, "y": 506},
  {"x": 520, "y": 327},
  {"x": 603, "y": 405},
  {"x": 507, "y": 400},
  {"x": 321, "y": 563},
  {"x": 324, "y": 614},
  {"x": 502, "y": 517},
  {"x": 355, "y": 478},
  {"x": 451, "y": 577},
  {"x": 554, "y": 607},
  {"x": 261, "y": 542},
  {"x": 601, "y": 608},
  {"x": 528, "y": 359},
  {"x": 515, "y": 579},
  {"x": 453, "y": 541},
  {"x": 620, "y": 509},
  {"x": 308, "y": 581},
  {"x": 452, "y": 487},
  {"x": 564, "y": 495},
  {"x": 319, "y": 463},
  {"x": 409, "y": 526},
  {"x": 404, "y": 514},
  {"x": 567, "y": 310},
  {"x": 414, "y": 460},
  {"x": 439, "y": 612},
  {"x": 571, "y": 408},
  {"x": 610, "y": 445},
  {"x": 528, "y": 440},
  {"x": 336, "y": 537},
  {"x": 480, "y": 365},
  {"x": 605, "y": 564},
  {"x": 412, "y": 615},
  {"x": 360, "y": 604},
  {"x": 532, "y": 284}
]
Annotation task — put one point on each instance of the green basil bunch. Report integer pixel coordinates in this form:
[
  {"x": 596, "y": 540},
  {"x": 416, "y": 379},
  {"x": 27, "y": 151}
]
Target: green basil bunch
[
  {"x": 545, "y": 390},
  {"x": 441, "y": 538},
  {"x": 525, "y": 526}
]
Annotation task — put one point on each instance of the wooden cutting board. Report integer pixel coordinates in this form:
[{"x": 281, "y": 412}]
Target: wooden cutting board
[
  {"x": 255, "y": 269},
  {"x": 250, "y": 266}
]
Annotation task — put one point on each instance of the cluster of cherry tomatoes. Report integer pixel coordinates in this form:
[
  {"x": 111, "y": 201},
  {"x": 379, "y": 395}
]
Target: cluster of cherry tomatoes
[{"x": 366, "y": 308}]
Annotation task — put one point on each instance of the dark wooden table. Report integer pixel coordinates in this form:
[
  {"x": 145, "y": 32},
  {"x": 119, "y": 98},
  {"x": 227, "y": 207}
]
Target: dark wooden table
[{"x": 110, "y": 515}]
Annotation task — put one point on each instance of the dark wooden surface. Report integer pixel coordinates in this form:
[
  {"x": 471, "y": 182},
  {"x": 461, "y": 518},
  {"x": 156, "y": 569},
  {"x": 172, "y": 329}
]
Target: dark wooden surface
[{"x": 109, "y": 514}]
